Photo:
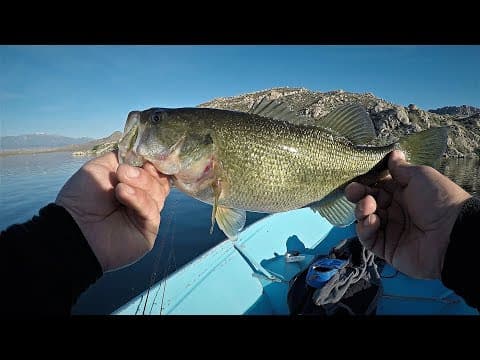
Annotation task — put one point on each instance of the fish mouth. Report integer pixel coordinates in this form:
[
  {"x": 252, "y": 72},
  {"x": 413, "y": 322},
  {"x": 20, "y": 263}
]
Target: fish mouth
[
  {"x": 132, "y": 149},
  {"x": 128, "y": 144}
]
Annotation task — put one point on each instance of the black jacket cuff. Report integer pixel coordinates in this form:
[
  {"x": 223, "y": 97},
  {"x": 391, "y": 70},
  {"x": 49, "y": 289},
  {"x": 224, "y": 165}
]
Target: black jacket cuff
[
  {"x": 47, "y": 263},
  {"x": 460, "y": 271}
]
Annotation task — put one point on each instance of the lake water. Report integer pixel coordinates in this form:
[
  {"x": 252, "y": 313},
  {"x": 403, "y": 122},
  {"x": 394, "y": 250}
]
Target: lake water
[{"x": 29, "y": 182}]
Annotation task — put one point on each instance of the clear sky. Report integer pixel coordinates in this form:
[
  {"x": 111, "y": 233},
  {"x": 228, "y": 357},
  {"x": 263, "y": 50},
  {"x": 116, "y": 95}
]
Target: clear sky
[{"x": 89, "y": 90}]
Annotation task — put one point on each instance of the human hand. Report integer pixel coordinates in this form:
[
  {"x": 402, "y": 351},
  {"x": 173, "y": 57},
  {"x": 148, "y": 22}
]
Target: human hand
[
  {"x": 407, "y": 217},
  {"x": 117, "y": 212}
]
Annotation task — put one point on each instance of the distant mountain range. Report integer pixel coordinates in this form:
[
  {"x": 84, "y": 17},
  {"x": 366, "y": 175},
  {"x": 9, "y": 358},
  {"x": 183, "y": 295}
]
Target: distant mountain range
[
  {"x": 36, "y": 141},
  {"x": 465, "y": 110}
]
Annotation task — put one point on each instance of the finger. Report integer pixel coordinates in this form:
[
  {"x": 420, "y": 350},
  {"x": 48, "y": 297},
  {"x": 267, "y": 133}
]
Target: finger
[
  {"x": 399, "y": 168},
  {"x": 365, "y": 207},
  {"x": 109, "y": 160},
  {"x": 142, "y": 179},
  {"x": 367, "y": 231},
  {"x": 356, "y": 191},
  {"x": 384, "y": 199},
  {"x": 137, "y": 199},
  {"x": 162, "y": 179},
  {"x": 383, "y": 216},
  {"x": 144, "y": 209},
  {"x": 152, "y": 170},
  {"x": 135, "y": 176},
  {"x": 387, "y": 184},
  {"x": 163, "y": 182}
]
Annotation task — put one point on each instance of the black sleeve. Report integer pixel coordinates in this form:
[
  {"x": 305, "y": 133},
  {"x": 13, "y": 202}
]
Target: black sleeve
[
  {"x": 45, "y": 264},
  {"x": 461, "y": 272}
]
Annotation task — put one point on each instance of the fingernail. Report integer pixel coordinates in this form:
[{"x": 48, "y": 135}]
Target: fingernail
[
  {"x": 129, "y": 190},
  {"x": 366, "y": 222},
  {"x": 133, "y": 172}
]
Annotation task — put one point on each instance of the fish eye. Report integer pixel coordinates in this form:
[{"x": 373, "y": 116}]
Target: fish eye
[
  {"x": 207, "y": 140},
  {"x": 155, "y": 118}
]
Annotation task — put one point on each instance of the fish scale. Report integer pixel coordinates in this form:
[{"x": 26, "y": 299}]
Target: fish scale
[
  {"x": 249, "y": 162},
  {"x": 273, "y": 166}
]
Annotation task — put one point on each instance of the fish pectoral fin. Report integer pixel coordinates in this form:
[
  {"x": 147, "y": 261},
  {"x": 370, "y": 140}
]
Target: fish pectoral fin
[
  {"x": 278, "y": 110},
  {"x": 214, "y": 212},
  {"x": 351, "y": 121},
  {"x": 335, "y": 208},
  {"x": 217, "y": 190},
  {"x": 231, "y": 221}
]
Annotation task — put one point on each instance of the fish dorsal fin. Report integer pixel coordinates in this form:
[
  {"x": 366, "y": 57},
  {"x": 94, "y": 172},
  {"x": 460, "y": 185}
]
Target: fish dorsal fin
[
  {"x": 336, "y": 208},
  {"x": 278, "y": 110},
  {"x": 231, "y": 221},
  {"x": 351, "y": 121}
]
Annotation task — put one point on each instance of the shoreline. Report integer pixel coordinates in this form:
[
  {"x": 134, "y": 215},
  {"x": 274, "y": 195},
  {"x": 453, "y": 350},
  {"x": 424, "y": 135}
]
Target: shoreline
[
  {"x": 91, "y": 148},
  {"x": 43, "y": 151}
]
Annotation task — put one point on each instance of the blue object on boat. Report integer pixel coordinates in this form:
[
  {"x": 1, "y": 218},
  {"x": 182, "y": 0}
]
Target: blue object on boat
[
  {"x": 252, "y": 275},
  {"x": 322, "y": 270}
]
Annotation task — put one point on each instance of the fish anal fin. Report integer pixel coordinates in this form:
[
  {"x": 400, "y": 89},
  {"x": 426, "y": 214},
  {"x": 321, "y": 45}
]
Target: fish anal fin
[
  {"x": 335, "y": 208},
  {"x": 230, "y": 221}
]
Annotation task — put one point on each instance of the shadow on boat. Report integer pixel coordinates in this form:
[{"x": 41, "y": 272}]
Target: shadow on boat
[{"x": 273, "y": 299}]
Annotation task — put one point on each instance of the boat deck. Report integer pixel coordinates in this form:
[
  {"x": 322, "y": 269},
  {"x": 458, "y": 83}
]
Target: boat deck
[{"x": 251, "y": 276}]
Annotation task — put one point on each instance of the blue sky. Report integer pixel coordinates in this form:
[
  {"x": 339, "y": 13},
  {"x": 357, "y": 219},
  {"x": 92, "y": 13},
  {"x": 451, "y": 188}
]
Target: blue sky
[{"x": 89, "y": 90}]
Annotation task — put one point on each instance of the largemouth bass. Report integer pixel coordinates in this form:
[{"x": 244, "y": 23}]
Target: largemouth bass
[{"x": 269, "y": 160}]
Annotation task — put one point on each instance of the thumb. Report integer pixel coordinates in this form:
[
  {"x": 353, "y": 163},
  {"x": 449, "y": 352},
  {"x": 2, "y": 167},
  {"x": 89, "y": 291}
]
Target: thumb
[
  {"x": 144, "y": 210},
  {"x": 400, "y": 169}
]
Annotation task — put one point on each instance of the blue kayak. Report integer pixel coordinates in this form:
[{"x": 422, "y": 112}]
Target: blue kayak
[{"x": 251, "y": 275}]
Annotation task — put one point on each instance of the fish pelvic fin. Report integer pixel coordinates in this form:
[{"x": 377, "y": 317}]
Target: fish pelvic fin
[
  {"x": 351, "y": 121},
  {"x": 231, "y": 221},
  {"x": 425, "y": 147},
  {"x": 335, "y": 208}
]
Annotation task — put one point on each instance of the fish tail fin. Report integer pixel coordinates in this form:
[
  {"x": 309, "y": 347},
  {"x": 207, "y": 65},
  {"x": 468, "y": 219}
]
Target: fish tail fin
[{"x": 425, "y": 147}]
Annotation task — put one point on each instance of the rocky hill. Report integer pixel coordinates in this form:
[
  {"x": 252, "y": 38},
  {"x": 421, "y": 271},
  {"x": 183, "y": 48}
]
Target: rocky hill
[
  {"x": 100, "y": 146},
  {"x": 463, "y": 110},
  {"x": 391, "y": 120}
]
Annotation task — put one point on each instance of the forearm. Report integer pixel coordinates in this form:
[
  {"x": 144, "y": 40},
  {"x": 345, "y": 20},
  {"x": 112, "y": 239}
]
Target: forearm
[
  {"x": 45, "y": 264},
  {"x": 460, "y": 268}
]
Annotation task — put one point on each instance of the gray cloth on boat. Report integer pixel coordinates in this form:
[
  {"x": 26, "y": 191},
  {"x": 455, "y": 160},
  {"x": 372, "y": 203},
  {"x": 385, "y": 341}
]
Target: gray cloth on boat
[{"x": 361, "y": 267}]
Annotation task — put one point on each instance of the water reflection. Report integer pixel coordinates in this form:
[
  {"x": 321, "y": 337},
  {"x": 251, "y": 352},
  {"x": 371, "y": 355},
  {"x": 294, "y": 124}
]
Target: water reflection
[{"x": 464, "y": 172}]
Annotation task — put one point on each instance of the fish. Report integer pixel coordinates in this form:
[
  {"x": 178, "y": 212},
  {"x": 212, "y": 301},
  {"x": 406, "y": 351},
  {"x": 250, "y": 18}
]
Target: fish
[{"x": 268, "y": 159}]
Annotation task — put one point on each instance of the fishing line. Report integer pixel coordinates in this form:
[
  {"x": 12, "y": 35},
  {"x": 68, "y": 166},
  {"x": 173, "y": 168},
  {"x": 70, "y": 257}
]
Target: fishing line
[
  {"x": 171, "y": 255},
  {"x": 165, "y": 281},
  {"x": 156, "y": 262}
]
